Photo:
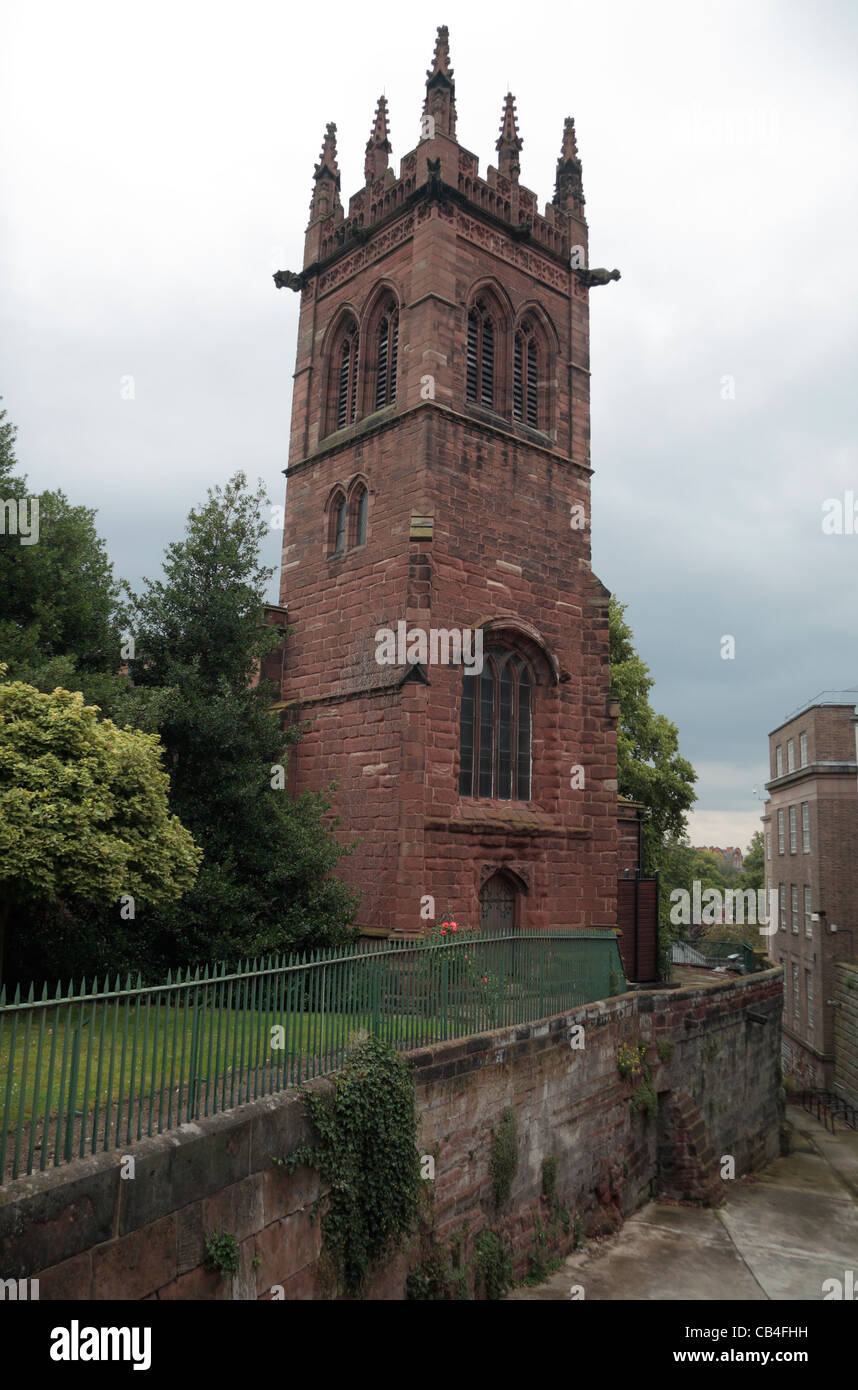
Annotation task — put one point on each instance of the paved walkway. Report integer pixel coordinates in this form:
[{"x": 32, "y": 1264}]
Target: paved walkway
[{"x": 780, "y": 1234}]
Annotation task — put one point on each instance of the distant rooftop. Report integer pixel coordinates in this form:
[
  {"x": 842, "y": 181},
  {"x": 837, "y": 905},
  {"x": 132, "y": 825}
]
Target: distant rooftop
[{"x": 825, "y": 697}]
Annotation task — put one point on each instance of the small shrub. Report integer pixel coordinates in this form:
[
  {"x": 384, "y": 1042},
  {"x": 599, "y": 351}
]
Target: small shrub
[{"x": 492, "y": 1265}]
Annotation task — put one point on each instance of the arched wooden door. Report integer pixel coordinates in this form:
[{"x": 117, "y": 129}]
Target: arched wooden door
[{"x": 498, "y": 903}]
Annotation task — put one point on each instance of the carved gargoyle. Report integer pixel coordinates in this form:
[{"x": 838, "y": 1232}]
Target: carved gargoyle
[
  {"x": 434, "y": 184},
  {"x": 288, "y": 280},
  {"x": 596, "y": 277}
]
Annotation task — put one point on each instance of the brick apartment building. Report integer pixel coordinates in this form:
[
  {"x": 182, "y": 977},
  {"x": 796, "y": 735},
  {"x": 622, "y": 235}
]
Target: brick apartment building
[
  {"x": 439, "y": 481},
  {"x": 811, "y": 858}
]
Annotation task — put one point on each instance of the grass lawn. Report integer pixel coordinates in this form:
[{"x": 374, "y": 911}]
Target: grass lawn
[{"x": 165, "y": 1048}]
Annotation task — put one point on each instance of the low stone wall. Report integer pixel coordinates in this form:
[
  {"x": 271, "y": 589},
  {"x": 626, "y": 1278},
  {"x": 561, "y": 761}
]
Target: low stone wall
[{"x": 88, "y": 1233}]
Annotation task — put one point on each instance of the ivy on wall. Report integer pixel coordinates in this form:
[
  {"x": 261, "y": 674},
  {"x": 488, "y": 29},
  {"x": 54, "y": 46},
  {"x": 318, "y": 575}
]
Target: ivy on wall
[{"x": 366, "y": 1152}]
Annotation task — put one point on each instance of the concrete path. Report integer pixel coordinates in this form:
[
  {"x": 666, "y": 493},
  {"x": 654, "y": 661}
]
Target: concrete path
[{"x": 780, "y": 1234}]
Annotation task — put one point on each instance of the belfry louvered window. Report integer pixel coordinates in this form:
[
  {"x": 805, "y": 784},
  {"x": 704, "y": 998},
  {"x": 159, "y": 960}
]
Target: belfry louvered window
[
  {"x": 525, "y": 378},
  {"x": 345, "y": 365},
  {"x": 495, "y": 729},
  {"x": 388, "y": 344},
  {"x": 480, "y": 385}
]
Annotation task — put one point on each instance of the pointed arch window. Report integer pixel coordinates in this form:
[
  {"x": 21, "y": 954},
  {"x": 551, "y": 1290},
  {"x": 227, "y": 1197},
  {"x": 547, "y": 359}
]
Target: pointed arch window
[
  {"x": 495, "y": 729},
  {"x": 480, "y": 384},
  {"x": 337, "y": 518},
  {"x": 387, "y": 348},
  {"x": 358, "y": 509},
  {"x": 525, "y": 377},
  {"x": 344, "y": 376}
]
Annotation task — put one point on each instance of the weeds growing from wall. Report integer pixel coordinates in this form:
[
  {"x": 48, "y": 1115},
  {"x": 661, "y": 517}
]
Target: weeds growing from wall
[
  {"x": 503, "y": 1162},
  {"x": 492, "y": 1265}
]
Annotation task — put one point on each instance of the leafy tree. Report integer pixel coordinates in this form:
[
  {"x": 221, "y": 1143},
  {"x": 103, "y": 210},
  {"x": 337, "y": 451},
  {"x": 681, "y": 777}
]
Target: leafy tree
[
  {"x": 753, "y": 864},
  {"x": 83, "y": 810},
  {"x": 650, "y": 768},
  {"x": 266, "y": 881},
  {"x": 61, "y": 611},
  {"x": 680, "y": 866}
]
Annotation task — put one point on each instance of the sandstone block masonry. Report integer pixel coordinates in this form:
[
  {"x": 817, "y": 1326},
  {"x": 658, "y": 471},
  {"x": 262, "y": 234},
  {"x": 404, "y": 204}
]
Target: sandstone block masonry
[
  {"x": 846, "y": 1033},
  {"x": 439, "y": 476},
  {"x": 86, "y": 1233}
]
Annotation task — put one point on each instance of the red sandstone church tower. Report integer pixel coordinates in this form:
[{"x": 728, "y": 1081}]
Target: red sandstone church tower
[{"x": 439, "y": 489}]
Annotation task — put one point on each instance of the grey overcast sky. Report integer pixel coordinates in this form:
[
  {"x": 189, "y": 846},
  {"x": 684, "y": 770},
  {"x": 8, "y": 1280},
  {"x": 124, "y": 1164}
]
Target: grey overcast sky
[{"x": 156, "y": 168}]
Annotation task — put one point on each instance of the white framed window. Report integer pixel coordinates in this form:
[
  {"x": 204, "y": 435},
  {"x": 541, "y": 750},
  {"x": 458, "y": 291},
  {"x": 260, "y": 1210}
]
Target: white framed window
[
  {"x": 782, "y": 904},
  {"x": 796, "y": 993},
  {"x": 771, "y": 915},
  {"x": 802, "y": 750},
  {"x": 808, "y": 925},
  {"x": 780, "y": 832},
  {"x": 793, "y": 830},
  {"x": 790, "y": 755},
  {"x": 794, "y": 902},
  {"x": 808, "y": 985},
  {"x": 779, "y": 761},
  {"x": 805, "y": 827},
  {"x": 768, "y": 844}
]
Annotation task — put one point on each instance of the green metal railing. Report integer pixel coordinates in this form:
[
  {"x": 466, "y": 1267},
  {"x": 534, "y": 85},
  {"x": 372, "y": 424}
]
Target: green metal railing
[
  {"x": 98, "y": 1069},
  {"x": 711, "y": 952}
]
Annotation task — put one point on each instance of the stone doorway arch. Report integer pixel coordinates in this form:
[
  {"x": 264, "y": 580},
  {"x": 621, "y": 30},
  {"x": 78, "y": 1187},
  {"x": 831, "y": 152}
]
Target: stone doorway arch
[{"x": 499, "y": 905}]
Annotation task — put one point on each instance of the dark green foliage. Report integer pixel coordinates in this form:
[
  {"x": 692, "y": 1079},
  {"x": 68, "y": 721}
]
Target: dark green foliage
[
  {"x": 61, "y": 609},
  {"x": 753, "y": 864},
  {"x": 492, "y": 1265},
  {"x": 366, "y": 1152},
  {"x": 549, "y": 1177},
  {"x": 503, "y": 1163},
  {"x": 561, "y": 1218},
  {"x": 540, "y": 1263},
  {"x": 265, "y": 884},
  {"x": 434, "y": 1280},
  {"x": 221, "y": 1252},
  {"x": 650, "y": 768}
]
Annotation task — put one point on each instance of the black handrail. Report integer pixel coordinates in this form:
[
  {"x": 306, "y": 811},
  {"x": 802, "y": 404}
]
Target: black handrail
[{"x": 827, "y": 1107}]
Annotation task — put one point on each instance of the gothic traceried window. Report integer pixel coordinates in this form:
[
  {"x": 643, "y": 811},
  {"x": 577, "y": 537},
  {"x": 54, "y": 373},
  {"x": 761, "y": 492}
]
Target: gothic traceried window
[
  {"x": 480, "y": 384},
  {"x": 388, "y": 346},
  {"x": 495, "y": 729},
  {"x": 525, "y": 377}
]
